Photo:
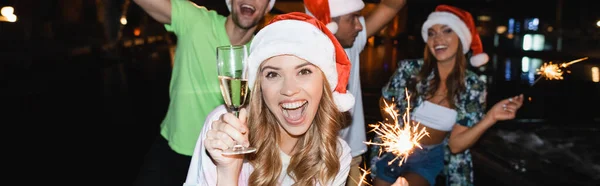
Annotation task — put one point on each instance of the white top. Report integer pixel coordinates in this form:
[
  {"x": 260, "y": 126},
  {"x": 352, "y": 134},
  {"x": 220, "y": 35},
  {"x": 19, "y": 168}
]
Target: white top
[
  {"x": 435, "y": 116},
  {"x": 203, "y": 171},
  {"x": 355, "y": 134}
]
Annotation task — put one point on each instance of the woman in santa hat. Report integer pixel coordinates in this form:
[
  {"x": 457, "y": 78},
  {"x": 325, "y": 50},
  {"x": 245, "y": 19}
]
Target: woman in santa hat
[
  {"x": 298, "y": 96},
  {"x": 448, "y": 100}
]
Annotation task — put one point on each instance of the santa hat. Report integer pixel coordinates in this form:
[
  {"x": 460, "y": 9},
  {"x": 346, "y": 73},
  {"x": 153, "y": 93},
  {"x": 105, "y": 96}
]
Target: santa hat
[
  {"x": 461, "y": 22},
  {"x": 324, "y": 10},
  {"x": 311, "y": 41},
  {"x": 271, "y": 4}
]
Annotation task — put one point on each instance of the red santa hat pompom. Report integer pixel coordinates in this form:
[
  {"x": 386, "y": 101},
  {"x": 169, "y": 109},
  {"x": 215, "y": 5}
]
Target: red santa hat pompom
[
  {"x": 324, "y": 10},
  {"x": 311, "y": 41},
  {"x": 463, "y": 25}
]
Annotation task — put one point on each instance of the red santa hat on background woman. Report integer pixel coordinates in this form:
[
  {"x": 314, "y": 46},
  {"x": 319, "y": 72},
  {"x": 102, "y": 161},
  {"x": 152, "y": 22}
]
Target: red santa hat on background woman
[
  {"x": 305, "y": 37},
  {"x": 324, "y": 10},
  {"x": 461, "y": 22}
]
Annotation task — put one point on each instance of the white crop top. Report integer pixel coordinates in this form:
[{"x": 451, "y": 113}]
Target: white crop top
[{"x": 435, "y": 116}]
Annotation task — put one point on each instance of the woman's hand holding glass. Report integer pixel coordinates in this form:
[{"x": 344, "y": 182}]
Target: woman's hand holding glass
[{"x": 223, "y": 135}]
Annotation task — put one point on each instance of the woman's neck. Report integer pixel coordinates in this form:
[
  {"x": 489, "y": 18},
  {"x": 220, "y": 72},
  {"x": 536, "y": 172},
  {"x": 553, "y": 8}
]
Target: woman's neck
[
  {"x": 445, "y": 67},
  {"x": 287, "y": 143}
]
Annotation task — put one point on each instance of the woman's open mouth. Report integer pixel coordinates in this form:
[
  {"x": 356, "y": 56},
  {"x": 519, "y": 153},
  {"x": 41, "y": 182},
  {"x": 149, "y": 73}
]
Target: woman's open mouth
[{"x": 293, "y": 112}]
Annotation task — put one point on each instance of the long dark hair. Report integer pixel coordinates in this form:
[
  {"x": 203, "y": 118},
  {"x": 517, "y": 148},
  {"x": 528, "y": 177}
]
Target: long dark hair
[{"x": 455, "y": 82}]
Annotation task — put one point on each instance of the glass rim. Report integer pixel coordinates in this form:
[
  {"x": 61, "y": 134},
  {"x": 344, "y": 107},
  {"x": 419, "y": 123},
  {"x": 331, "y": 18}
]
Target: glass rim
[{"x": 231, "y": 47}]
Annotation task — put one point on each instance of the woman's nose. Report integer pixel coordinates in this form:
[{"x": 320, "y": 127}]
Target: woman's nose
[{"x": 290, "y": 87}]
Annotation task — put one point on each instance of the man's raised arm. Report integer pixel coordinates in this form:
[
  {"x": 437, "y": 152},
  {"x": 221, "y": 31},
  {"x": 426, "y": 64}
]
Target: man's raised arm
[
  {"x": 382, "y": 15},
  {"x": 160, "y": 10}
]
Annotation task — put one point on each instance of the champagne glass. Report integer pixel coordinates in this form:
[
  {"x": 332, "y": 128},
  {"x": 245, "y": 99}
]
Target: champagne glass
[{"x": 232, "y": 70}]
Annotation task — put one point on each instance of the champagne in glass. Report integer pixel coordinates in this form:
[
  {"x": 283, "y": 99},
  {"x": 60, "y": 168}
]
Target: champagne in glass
[
  {"x": 231, "y": 64},
  {"x": 234, "y": 91}
]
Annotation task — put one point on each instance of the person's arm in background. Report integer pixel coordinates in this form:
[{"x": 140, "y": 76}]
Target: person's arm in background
[
  {"x": 465, "y": 134},
  {"x": 385, "y": 11},
  {"x": 160, "y": 10}
]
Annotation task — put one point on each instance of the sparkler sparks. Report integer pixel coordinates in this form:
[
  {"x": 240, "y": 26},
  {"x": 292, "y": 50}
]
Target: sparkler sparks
[
  {"x": 363, "y": 177},
  {"x": 399, "y": 140},
  {"x": 553, "y": 71}
]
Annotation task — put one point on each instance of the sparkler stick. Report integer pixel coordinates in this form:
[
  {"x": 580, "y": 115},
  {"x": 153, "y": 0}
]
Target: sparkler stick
[
  {"x": 399, "y": 140},
  {"x": 564, "y": 65}
]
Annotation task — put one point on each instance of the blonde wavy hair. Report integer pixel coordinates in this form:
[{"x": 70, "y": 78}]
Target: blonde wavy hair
[{"x": 318, "y": 145}]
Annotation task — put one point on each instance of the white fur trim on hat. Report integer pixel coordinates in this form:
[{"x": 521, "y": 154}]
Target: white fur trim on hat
[
  {"x": 271, "y": 4},
  {"x": 479, "y": 59},
  {"x": 344, "y": 102},
  {"x": 452, "y": 21},
  {"x": 308, "y": 43},
  {"x": 339, "y": 8},
  {"x": 343, "y": 7}
]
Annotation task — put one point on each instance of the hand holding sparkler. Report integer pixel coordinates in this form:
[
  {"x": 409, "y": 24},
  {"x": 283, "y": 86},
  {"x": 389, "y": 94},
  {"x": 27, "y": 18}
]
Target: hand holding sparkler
[
  {"x": 398, "y": 138},
  {"x": 505, "y": 109}
]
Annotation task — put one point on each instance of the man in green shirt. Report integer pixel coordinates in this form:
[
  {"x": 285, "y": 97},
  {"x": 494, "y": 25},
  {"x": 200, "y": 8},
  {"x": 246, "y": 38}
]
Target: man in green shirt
[{"x": 194, "y": 88}]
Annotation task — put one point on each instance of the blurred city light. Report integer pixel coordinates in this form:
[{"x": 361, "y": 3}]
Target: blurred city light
[
  {"x": 538, "y": 42},
  {"x": 510, "y": 36},
  {"x": 8, "y": 15},
  {"x": 532, "y": 24},
  {"x": 501, "y": 29},
  {"x": 511, "y": 25},
  {"x": 527, "y": 42},
  {"x": 123, "y": 21},
  {"x": 525, "y": 64},
  {"x": 137, "y": 31},
  {"x": 7, "y": 10},
  {"x": 533, "y": 42},
  {"x": 484, "y": 18},
  {"x": 595, "y": 74},
  {"x": 598, "y": 23},
  {"x": 507, "y": 69},
  {"x": 11, "y": 18}
]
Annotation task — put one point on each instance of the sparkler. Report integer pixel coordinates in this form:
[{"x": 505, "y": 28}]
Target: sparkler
[
  {"x": 363, "y": 177},
  {"x": 553, "y": 71},
  {"x": 399, "y": 140}
]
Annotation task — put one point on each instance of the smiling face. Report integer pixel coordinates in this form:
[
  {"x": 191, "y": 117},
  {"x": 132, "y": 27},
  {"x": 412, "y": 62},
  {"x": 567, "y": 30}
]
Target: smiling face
[
  {"x": 247, "y": 13},
  {"x": 292, "y": 89},
  {"x": 443, "y": 42},
  {"x": 348, "y": 28}
]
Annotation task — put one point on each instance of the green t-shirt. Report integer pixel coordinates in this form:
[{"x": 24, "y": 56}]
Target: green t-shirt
[{"x": 194, "y": 89}]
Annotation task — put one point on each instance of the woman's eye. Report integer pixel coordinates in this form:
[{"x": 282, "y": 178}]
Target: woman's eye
[
  {"x": 447, "y": 31},
  {"x": 305, "y": 72},
  {"x": 271, "y": 75}
]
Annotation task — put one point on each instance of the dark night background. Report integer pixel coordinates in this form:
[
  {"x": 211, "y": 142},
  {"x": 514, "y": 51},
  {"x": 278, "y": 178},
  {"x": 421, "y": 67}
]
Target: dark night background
[{"x": 83, "y": 94}]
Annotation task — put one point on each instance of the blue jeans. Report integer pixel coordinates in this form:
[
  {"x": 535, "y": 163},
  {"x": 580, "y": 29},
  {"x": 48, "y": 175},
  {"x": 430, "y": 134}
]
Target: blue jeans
[{"x": 427, "y": 162}]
